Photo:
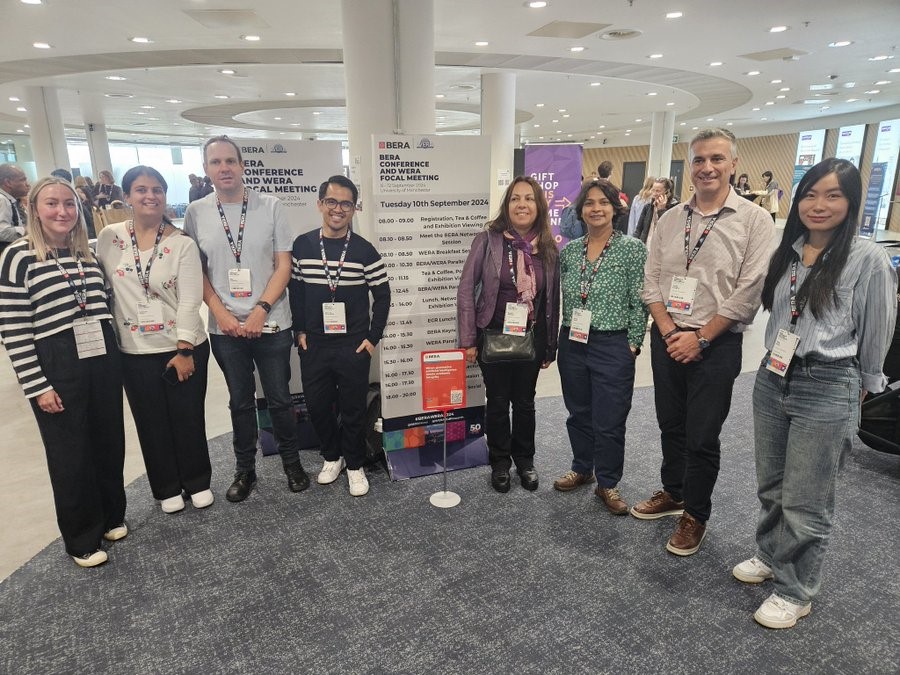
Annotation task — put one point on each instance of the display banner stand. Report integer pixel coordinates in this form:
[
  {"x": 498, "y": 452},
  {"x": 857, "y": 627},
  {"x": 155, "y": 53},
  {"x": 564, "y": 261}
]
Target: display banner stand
[{"x": 444, "y": 389}]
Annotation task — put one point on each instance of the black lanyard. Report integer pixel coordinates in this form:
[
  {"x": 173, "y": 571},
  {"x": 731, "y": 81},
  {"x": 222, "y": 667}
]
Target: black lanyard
[
  {"x": 512, "y": 267},
  {"x": 796, "y": 309},
  {"x": 687, "y": 237},
  {"x": 586, "y": 287},
  {"x": 333, "y": 281},
  {"x": 144, "y": 277},
  {"x": 235, "y": 248},
  {"x": 80, "y": 296}
]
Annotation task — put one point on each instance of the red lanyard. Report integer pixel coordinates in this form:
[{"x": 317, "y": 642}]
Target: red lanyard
[
  {"x": 80, "y": 296},
  {"x": 586, "y": 286},
  {"x": 235, "y": 248},
  {"x": 144, "y": 277},
  {"x": 687, "y": 237}
]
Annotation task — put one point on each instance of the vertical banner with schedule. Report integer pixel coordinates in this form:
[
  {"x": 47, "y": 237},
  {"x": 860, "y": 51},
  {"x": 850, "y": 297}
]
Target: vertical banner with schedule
[{"x": 430, "y": 199}]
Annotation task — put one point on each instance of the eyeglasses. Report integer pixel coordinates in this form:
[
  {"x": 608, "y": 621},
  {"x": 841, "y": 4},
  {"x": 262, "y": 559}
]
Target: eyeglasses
[{"x": 332, "y": 203}]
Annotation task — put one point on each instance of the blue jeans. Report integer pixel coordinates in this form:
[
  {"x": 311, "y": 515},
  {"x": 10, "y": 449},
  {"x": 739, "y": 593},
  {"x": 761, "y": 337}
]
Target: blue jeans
[
  {"x": 270, "y": 354},
  {"x": 803, "y": 424},
  {"x": 597, "y": 381}
]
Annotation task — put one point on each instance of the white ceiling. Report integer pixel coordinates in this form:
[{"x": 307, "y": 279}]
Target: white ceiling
[{"x": 300, "y": 52}]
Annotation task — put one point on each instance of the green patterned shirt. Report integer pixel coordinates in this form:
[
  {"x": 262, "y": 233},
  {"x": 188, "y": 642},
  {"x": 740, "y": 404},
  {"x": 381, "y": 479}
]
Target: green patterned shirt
[{"x": 614, "y": 298}]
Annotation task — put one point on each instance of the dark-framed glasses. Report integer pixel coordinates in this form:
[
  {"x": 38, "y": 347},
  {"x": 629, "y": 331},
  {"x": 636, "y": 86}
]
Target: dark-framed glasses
[{"x": 332, "y": 203}]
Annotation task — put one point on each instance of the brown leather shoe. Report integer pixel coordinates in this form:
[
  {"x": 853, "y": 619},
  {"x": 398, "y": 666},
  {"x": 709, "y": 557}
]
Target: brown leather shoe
[
  {"x": 572, "y": 480},
  {"x": 612, "y": 500},
  {"x": 659, "y": 505},
  {"x": 687, "y": 537}
]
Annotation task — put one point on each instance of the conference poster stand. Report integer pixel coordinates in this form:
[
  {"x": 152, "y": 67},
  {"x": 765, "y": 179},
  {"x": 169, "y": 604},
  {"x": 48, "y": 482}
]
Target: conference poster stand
[{"x": 444, "y": 389}]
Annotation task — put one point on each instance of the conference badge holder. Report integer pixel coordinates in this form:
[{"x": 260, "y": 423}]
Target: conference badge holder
[
  {"x": 239, "y": 282},
  {"x": 89, "y": 338},
  {"x": 681, "y": 295},
  {"x": 782, "y": 352},
  {"x": 150, "y": 317},
  {"x": 515, "y": 321},
  {"x": 334, "y": 318},
  {"x": 580, "y": 326}
]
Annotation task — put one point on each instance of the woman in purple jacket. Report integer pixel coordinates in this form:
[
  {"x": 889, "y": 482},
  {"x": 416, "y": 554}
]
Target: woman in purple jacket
[{"x": 512, "y": 274}]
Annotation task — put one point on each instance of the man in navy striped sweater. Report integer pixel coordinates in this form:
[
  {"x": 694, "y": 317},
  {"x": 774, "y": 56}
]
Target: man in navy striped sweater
[{"x": 333, "y": 272}]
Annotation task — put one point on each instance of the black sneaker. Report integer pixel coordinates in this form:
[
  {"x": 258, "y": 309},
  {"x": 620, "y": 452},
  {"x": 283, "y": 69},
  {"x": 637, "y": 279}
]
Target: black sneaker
[
  {"x": 244, "y": 482},
  {"x": 296, "y": 476}
]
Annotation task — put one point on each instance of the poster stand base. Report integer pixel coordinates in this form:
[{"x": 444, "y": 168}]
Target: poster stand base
[{"x": 444, "y": 499}]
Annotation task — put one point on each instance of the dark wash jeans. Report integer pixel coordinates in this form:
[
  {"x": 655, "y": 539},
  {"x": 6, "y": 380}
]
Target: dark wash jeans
[
  {"x": 270, "y": 354},
  {"x": 692, "y": 402}
]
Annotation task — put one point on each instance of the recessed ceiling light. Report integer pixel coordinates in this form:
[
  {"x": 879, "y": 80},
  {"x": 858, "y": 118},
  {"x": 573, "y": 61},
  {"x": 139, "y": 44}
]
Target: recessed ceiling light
[
  {"x": 538, "y": 105},
  {"x": 173, "y": 100},
  {"x": 709, "y": 119},
  {"x": 894, "y": 70},
  {"x": 770, "y": 102},
  {"x": 728, "y": 124},
  {"x": 602, "y": 126},
  {"x": 290, "y": 93},
  {"x": 567, "y": 115},
  {"x": 595, "y": 84},
  {"x": 295, "y": 124},
  {"x": 536, "y": 125},
  {"x": 780, "y": 96},
  {"x": 639, "y": 120},
  {"x": 652, "y": 93},
  {"x": 785, "y": 89},
  {"x": 30, "y": 2},
  {"x": 671, "y": 103},
  {"x": 481, "y": 43},
  {"x": 561, "y": 110},
  {"x": 140, "y": 113},
  {"x": 117, "y": 95},
  {"x": 536, "y": 4},
  {"x": 840, "y": 43},
  {"x": 775, "y": 82},
  {"x": 227, "y": 71},
  {"x": 141, "y": 40},
  {"x": 221, "y": 96},
  {"x": 751, "y": 73},
  {"x": 852, "y": 100},
  {"x": 882, "y": 83},
  {"x": 14, "y": 99},
  {"x": 554, "y": 121},
  {"x": 881, "y": 57},
  {"x": 148, "y": 107},
  {"x": 577, "y": 49},
  {"x": 764, "y": 119},
  {"x": 825, "y": 107},
  {"x": 559, "y": 131},
  {"x": 674, "y": 15},
  {"x": 316, "y": 112},
  {"x": 655, "y": 56},
  {"x": 683, "y": 124},
  {"x": 250, "y": 38},
  {"x": 628, "y": 131},
  {"x": 42, "y": 45},
  {"x": 115, "y": 78},
  {"x": 27, "y": 126},
  {"x": 874, "y": 91},
  {"x": 754, "y": 109},
  {"x": 21, "y": 109},
  {"x": 778, "y": 29},
  {"x": 715, "y": 63},
  {"x": 20, "y": 131},
  {"x": 277, "y": 118}
]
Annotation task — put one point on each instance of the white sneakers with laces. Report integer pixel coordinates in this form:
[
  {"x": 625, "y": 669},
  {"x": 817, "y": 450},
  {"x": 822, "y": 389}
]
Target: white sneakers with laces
[
  {"x": 330, "y": 471},
  {"x": 776, "y": 612},
  {"x": 359, "y": 484},
  {"x": 753, "y": 571}
]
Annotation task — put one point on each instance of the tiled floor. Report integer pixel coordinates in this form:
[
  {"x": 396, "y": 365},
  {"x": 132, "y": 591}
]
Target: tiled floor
[{"x": 27, "y": 520}]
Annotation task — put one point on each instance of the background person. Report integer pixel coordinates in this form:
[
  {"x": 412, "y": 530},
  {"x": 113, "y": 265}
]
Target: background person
[
  {"x": 638, "y": 203},
  {"x": 662, "y": 198},
  {"x": 771, "y": 194},
  {"x": 85, "y": 196},
  {"x": 56, "y": 325},
  {"x": 516, "y": 262},
  {"x": 156, "y": 279},
  {"x": 107, "y": 191},
  {"x": 832, "y": 298},
  {"x": 13, "y": 216},
  {"x": 742, "y": 187},
  {"x": 603, "y": 327}
]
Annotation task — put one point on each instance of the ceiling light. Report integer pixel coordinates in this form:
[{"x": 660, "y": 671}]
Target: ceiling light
[
  {"x": 602, "y": 126},
  {"x": 277, "y": 118},
  {"x": 250, "y": 38},
  {"x": 27, "y": 126},
  {"x": 141, "y": 40},
  {"x": 775, "y": 82},
  {"x": 674, "y": 15},
  {"x": 628, "y": 131},
  {"x": 316, "y": 112},
  {"x": 140, "y": 113},
  {"x": 117, "y": 95},
  {"x": 882, "y": 82},
  {"x": 778, "y": 29},
  {"x": 852, "y": 100},
  {"x": 709, "y": 119},
  {"x": 290, "y": 93},
  {"x": 227, "y": 71},
  {"x": 577, "y": 49},
  {"x": 639, "y": 120},
  {"x": 42, "y": 45},
  {"x": 561, "y": 110},
  {"x": 751, "y": 73},
  {"x": 715, "y": 63},
  {"x": 536, "y": 125},
  {"x": 770, "y": 102},
  {"x": 882, "y": 57},
  {"x": 221, "y": 96},
  {"x": 728, "y": 124},
  {"x": 295, "y": 124},
  {"x": 538, "y": 105},
  {"x": 820, "y": 87},
  {"x": 595, "y": 84},
  {"x": 30, "y": 2},
  {"x": 754, "y": 109},
  {"x": 874, "y": 91},
  {"x": 173, "y": 100},
  {"x": 652, "y": 93},
  {"x": 671, "y": 103},
  {"x": 536, "y": 4},
  {"x": 785, "y": 89},
  {"x": 655, "y": 56},
  {"x": 567, "y": 115},
  {"x": 780, "y": 96},
  {"x": 763, "y": 119},
  {"x": 481, "y": 43},
  {"x": 20, "y": 131},
  {"x": 840, "y": 43},
  {"x": 894, "y": 70},
  {"x": 14, "y": 99},
  {"x": 825, "y": 107},
  {"x": 683, "y": 124},
  {"x": 554, "y": 121},
  {"x": 115, "y": 78},
  {"x": 21, "y": 109}
]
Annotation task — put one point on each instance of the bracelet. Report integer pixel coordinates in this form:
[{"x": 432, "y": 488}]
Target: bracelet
[
  {"x": 265, "y": 305},
  {"x": 671, "y": 333},
  {"x": 186, "y": 351}
]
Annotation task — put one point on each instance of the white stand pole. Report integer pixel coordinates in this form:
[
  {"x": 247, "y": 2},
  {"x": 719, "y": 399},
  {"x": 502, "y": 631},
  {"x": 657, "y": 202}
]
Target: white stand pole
[{"x": 445, "y": 499}]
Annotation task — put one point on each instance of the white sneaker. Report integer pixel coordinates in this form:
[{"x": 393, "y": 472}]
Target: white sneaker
[
  {"x": 777, "y": 612},
  {"x": 172, "y": 504},
  {"x": 359, "y": 484},
  {"x": 116, "y": 533},
  {"x": 202, "y": 499},
  {"x": 91, "y": 559},
  {"x": 753, "y": 571},
  {"x": 330, "y": 471}
]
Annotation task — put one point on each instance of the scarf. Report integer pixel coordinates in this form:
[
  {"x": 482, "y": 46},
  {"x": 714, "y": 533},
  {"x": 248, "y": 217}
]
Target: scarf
[{"x": 526, "y": 282}]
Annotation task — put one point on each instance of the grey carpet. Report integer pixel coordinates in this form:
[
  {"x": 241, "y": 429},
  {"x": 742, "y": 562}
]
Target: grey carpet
[{"x": 525, "y": 582}]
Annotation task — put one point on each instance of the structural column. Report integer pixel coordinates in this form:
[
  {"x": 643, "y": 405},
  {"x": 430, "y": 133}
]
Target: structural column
[
  {"x": 95, "y": 132},
  {"x": 389, "y": 78},
  {"x": 498, "y": 118},
  {"x": 662, "y": 130},
  {"x": 48, "y": 136}
]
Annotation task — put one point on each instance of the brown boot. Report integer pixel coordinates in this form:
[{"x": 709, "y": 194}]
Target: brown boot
[
  {"x": 687, "y": 537},
  {"x": 572, "y": 480},
  {"x": 612, "y": 500}
]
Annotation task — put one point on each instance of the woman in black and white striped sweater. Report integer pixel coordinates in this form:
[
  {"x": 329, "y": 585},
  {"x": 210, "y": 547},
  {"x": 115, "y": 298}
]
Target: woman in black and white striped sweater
[{"x": 56, "y": 325}]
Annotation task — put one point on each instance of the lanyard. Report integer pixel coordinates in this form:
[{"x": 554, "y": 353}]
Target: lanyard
[
  {"x": 586, "y": 286},
  {"x": 144, "y": 277},
  {"x": 80, "y": 296},
  {"x": 512, "y": 267},
  {"x": 235, "y": 248},
  {"x": 687, "y": 237},
  {"x": 796, "y": 310},
  {"x": 333, "y": 281}
]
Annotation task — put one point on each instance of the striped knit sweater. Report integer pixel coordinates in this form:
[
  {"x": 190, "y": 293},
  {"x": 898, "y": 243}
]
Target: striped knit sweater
[{"x": 36, "y": 302}]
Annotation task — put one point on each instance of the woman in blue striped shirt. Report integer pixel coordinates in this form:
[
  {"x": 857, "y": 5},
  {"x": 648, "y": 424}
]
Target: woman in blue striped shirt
[
  {"x": 832, "y": 298},
  {"x": 56, "y": 325}
]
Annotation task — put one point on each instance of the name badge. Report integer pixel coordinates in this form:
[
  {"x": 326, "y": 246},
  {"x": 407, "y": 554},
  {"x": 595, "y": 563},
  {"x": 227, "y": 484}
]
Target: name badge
[
  {"x": 681, "y": 295},
  {"x": 89, "y": 338},
  {"x": 150, "y": 317},
  {"x": 782, "y": 352},
  {"x": 515, "y": 321},
  {"x": 580, "y": 326},
  {"x": 239, "y": 283},
  {"x": 334, "y": 316}
]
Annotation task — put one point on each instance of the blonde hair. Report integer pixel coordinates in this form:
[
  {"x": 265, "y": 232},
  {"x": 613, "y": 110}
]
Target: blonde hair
[
  {"x": 648, "y": 186},
  {"x": 76, "y": 239}
]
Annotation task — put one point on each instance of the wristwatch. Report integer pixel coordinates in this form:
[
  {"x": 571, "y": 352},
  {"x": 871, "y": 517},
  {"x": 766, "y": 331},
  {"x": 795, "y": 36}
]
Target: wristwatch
[
  {"x": 186, "y": 351},
  {"x": 702, "y": 341},
  {"x": 265, "y": 305}
]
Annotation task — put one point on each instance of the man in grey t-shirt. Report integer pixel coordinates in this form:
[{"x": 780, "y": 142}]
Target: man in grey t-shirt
[{"x": 245, "y": 244}]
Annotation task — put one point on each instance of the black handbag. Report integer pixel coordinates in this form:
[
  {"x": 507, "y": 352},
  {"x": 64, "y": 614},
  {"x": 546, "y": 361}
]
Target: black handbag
[{"x": 498, "y": 347}]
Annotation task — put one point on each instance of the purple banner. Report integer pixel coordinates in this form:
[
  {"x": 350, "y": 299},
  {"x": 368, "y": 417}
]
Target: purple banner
[{"x": 558, "y": 169}]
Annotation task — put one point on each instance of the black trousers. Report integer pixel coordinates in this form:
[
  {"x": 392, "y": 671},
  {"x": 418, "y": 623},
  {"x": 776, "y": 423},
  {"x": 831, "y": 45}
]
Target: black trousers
[
  {"x": 335, "y": 382},
  {"x": 170, "y": 421},
  {"x": 85, "y": 443},
  {"x": 692, "y": 402}
]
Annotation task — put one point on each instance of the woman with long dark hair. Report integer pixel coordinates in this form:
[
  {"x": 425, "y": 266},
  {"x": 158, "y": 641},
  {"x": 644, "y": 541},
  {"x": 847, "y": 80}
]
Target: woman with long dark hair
[
  {"x": 832, "y": 298},
  {"x": 514, "y": 264}
]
